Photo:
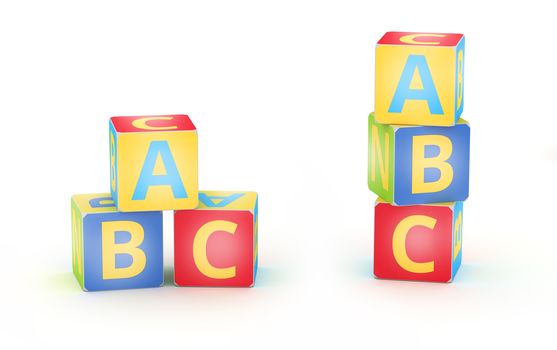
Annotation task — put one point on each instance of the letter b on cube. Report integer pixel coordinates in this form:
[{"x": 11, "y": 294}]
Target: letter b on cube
[
  {"x": 418, "y": 242},
  {"x": 153, "y": 163},
  {"x": 419, "y": 164},
  {"x": 216, "y": 244},
  {"x": 114, "y": 250},
  {"x": 419, "y": 78}
]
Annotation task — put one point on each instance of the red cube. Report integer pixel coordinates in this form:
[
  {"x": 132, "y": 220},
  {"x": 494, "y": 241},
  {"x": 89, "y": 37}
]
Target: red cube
[
  {"x": 418, "y": 242},
  {"x": 216, "y": 244}
]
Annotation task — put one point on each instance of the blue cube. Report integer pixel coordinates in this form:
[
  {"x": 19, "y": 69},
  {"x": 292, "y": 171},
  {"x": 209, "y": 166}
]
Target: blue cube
[{"x": 114, "y": 250}]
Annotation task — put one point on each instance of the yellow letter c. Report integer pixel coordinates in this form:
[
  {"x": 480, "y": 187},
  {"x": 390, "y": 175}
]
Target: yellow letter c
[
  {"x": 200, "y": 249},
  {"x": 141, "y": 123},
  {"x": 410, "y": 38},
  {"x": 399, "y": 243}
]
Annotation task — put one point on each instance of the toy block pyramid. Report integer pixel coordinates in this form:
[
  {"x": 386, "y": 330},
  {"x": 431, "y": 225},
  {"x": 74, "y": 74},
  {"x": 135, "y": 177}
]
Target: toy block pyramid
[{"x": 117, "y": 237}]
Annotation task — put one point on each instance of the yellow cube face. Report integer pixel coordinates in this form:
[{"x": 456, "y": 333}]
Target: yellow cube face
[
  {"x": 94, "y": 203},
  {"x": 227, "y": 200},
  {"x": 153, "y": 163},
  {"x": 419, "y": 79}
]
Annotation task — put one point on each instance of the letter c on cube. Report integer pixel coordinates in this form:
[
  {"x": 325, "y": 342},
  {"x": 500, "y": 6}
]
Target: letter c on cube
[
  {"x": 399, "y": 243},
  {"x": 200, "y": 249},
  {"x": 142, "y": 123}
]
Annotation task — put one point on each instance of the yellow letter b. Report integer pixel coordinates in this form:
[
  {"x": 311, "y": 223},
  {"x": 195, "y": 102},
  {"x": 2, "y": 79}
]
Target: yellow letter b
[
  {"x": 110, "y": 248},
  {"x": 420, "y": 163}
]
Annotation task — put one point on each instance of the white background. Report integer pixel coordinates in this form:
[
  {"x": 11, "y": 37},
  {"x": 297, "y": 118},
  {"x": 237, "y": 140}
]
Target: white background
[{"x": 280, "y": 93}]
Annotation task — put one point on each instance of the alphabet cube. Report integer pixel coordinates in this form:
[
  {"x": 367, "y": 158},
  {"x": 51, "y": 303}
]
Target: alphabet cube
[
  {"x": 153, "y": 163},
  {"x": 418, "y": 242},
  {"x": 216, "y": 244},
  {"x": 418, "y": 164},
  {"x": 419, "y": 78},
  {"x": 114, "y": 250}
]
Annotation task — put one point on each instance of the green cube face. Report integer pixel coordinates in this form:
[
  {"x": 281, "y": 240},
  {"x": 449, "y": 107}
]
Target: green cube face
[
  {"x": 381, "y": 150},
  {"x": 77, "y": 244}
]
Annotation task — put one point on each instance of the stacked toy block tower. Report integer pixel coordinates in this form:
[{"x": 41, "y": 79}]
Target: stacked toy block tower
[
  {"x": 419, "y": 151},
  {"x": 117, "y": 237}
]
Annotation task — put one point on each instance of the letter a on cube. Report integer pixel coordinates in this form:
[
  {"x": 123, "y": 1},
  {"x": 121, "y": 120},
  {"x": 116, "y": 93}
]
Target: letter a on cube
[
  {"x": 216, "y": 244},
  {"x": 153, "y": 163},
  {"x": 419, "y": 78},
  {"x": 418, "y": 242},
  {"x": 419, "y": 164},
  {"x": 114, "y": 250}
]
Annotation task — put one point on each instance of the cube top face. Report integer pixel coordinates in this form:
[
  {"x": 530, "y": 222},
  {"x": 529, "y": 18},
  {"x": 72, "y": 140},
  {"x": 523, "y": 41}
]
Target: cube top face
[
  {"x": 451, "y": 205},
  {"x": 421, "y": 39},
  {"x": 419, "y": 164},
  {"x": 460, "y": 121},
  {"x": 154, "y": 123},
  {"x": 215, "y": 248},
  {"x": 419, "y": 79},
  {"x": 418, "y": 242},
  {"x": 94, "y": 203},
  {"x": 227, "y": 200},
  {"x": 155, "y": 170}
]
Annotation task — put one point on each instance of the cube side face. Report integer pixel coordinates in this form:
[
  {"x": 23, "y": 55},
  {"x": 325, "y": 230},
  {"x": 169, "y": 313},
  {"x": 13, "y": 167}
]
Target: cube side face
[
  {"x": 113, "y": 149},
  {"x": 459, "y": 80},
  {"x": 457, "y": 238},
  {"x": 432, "y": 164},
  {"x": 77, "y": 243},
  {"x": 214, "y": 248},
  {"x": 123, "y": 250},
  {"x": 415, "y": 84},
  {"x": 157, "y": 171},
  {"x": 255, "y": 239},
  {"x": 413, "y": 242},
  {"x": 381, "y": 148}
]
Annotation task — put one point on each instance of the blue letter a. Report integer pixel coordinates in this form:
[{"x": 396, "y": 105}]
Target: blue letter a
[
  {"x": 172, "y": 177},
  {"x": 224, "y": 200},
  {"x": 404, "y": 92}
]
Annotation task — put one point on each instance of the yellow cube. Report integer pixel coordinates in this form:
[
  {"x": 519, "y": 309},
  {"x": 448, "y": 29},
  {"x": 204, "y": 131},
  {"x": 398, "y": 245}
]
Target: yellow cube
[
  {"x": 419, "y": 78},
  {"x": 153, "y": 163}
]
